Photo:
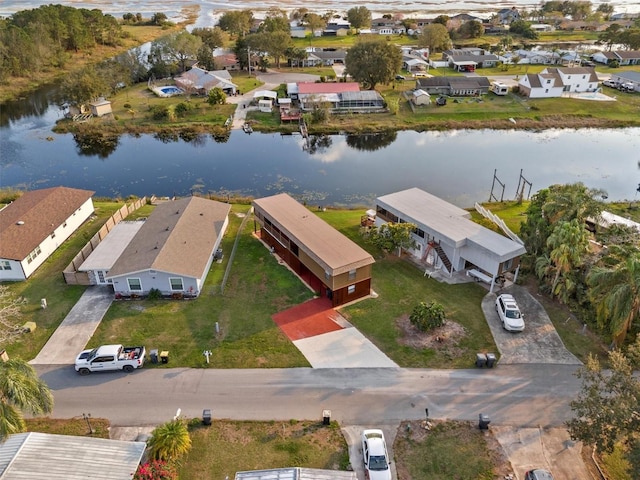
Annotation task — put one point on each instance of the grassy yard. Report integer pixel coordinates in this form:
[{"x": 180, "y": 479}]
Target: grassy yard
[
  {"x": 227, "y": 447},
  {"x": 448, "y": 450},
  {"x": 257, "y": 287},
  {"x": 47, "y": 282}
]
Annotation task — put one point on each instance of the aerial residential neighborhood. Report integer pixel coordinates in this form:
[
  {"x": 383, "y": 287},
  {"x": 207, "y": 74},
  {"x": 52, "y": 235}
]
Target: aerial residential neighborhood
[{"x": 216, "y": 333}]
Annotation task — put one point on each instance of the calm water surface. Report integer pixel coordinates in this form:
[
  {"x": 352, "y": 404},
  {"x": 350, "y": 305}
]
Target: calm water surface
[{"x": 342, "y": 170}]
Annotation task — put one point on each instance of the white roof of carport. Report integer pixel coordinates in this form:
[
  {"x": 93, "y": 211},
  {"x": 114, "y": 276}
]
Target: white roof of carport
[
  {"x": 265, "y": 93},
  {"x": 66, "y": 457},
  {"x": 111, "y": 247}
]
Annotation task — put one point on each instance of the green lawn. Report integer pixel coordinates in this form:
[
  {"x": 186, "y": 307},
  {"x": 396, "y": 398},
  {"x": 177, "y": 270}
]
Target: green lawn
[
  {"x": 227, "y": 447},
  {"x": 449, "y": 450},
  {"x": 47, "y": 282},
  {"x": 258, "y": 286}
]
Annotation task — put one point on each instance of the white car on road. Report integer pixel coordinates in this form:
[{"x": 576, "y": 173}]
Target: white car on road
[
  {"x": 509, "y": 313},
  {"x": 376, "y": 458}
]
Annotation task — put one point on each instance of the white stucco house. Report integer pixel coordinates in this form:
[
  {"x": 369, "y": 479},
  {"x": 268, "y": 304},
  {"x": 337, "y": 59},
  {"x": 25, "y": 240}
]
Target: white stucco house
[
  {"x": 173, "y": 251},
  {"x": 33, "y": 226},
  {"x": 552, "y": 82},
  {"x": 446, "y": 237}
]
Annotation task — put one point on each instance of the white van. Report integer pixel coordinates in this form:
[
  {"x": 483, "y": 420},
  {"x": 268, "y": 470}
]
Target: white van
[{"x": 499, "y": 88}]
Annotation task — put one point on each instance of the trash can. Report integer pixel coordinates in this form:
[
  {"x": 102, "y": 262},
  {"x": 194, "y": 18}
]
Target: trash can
[
  {"x": 206, "y": 417},
  {"x": 326, "y": 417},
  {"x": 483, "y": 421},
  {"x": 481, "y": 360},
  {"x": 491, "y": 360},
  {"x": 153, "y": 355},
  {"x": 164, "y": 356}
]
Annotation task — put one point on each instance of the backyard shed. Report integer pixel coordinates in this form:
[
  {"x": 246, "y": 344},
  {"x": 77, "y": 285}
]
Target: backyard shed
[
  {"x": 420, "y": 97},
  {"x": 100, "y": 107}
]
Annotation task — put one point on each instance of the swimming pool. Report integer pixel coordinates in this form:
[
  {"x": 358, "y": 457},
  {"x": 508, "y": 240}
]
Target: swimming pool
[{"x": 169, "y": 91}]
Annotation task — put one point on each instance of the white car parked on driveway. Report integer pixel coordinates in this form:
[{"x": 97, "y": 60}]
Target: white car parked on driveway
[
  {"x": 376, "y": 458},
  {"x": 509, "y": 313}
]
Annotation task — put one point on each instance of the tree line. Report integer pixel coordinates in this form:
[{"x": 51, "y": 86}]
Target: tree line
[{"x": 32, "y": 41}]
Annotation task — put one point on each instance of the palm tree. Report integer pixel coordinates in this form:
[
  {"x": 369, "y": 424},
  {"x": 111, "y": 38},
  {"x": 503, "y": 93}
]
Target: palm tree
[
  {"x": 566, "y": 202},
  {"x": 169, "y": 441},
  {"x": 569, "y": 242},
  {"x": 21, "y": 391},
  {"x": 616, "y": 294}
]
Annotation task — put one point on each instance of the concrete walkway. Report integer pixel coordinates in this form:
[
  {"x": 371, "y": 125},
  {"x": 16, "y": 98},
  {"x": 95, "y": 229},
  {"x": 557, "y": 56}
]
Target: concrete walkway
[{"x": 71, "y": 337}]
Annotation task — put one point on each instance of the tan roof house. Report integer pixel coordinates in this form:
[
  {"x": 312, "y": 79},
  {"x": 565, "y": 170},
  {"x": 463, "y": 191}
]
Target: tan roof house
[
  {"x": 173, "y": 251},
  {"x": 36, "y": 224},
  {"x": 332, "y": 264}
]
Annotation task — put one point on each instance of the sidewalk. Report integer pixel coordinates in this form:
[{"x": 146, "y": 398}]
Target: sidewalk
[{"x": 71, "y": 337}]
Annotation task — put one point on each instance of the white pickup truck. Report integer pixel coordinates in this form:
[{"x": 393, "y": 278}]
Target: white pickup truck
[{"x": 110, "y": 357}]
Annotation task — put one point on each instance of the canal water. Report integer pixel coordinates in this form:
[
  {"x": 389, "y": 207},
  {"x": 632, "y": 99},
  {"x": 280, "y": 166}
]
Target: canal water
[{"x": 340, "y": 170}]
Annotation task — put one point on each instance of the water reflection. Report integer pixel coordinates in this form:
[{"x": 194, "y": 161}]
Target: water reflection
[
  {"x": 35, "y": 105},
  {"x": 371, "y": 141}
]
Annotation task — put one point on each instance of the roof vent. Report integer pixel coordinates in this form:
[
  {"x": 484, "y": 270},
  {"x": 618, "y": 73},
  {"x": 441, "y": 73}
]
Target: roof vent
[
  {"x": 20, "y": 222},
  {"x": 167, "y": 229}
]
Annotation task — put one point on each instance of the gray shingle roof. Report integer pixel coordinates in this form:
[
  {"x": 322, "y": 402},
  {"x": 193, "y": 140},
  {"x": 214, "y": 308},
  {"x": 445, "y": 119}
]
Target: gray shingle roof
[{"x": 178, "y": 237}]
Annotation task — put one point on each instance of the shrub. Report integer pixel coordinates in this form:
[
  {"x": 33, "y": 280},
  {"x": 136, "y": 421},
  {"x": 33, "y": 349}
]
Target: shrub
[
  {"x": 154, "y": 294},
  {"x": 182, "y": 108},
  {"x": 126, "y": 105},
  {"x": 427, "y": 316}
]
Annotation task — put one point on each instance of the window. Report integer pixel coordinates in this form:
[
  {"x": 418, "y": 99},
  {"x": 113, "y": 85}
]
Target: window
[
  {"x": 5, "y": 265},
  {"x": 352, "y": 274},
  {"x": 176, "y": 284},
  {"x": 100, "y": 276},
  {"x": 351, "y": 289},
  {"x": 507, "y": 265},
  {"x": 135, "y": 285}
]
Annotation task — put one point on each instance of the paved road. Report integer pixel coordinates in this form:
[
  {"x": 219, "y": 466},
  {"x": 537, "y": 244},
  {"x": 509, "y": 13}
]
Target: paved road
[{"x": 524, "y": 395}]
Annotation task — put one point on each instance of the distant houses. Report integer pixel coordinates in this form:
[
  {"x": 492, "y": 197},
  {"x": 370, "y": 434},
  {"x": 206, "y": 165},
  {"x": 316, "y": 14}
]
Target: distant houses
[
  {"x": 552, "y": 82},
  {"x": 200, "y": 81}
]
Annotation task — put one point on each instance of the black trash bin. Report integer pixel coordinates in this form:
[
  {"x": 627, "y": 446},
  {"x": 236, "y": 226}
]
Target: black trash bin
[
  {"x": 206, "y": 417},
  {"x": 483, "y": 421},
  {"x": 481, "y": 360},
  {"x": 153, "y": 355},
  {"x": 491, "y": 360},
  {"x": 326, "y": 417}
]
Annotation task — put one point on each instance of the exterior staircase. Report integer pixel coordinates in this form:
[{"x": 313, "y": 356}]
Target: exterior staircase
[{"x": 443, "y": 256}]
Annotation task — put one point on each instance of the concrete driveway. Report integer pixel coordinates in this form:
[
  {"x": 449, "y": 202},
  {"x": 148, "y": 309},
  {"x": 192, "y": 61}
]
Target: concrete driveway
[
  {"x": 71, "y": 337},
  {"x": 547, "y": 448},
  {"x": 538, "y": 343}
]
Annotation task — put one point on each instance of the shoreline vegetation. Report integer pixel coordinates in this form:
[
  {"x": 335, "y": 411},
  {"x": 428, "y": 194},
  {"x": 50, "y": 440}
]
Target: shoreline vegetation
[{"x": 133, "y": 107}]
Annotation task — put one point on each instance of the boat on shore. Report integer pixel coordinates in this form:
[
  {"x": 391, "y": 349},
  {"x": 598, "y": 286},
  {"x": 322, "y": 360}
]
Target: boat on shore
[{"x": 247, "y": 128}]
